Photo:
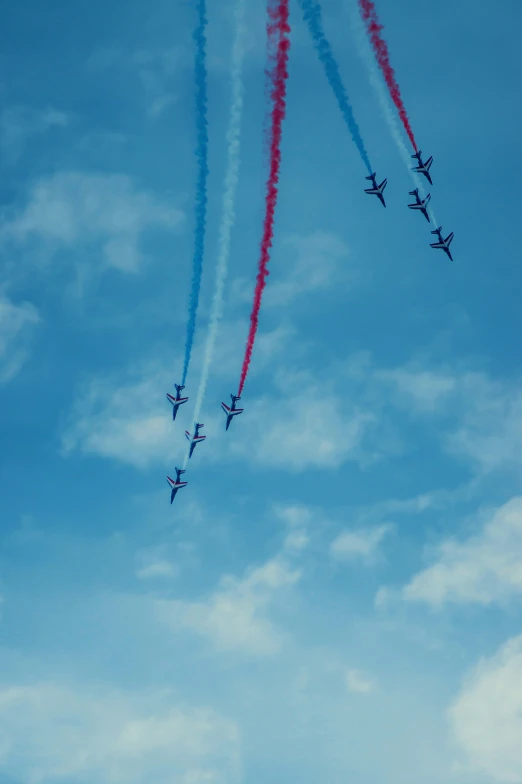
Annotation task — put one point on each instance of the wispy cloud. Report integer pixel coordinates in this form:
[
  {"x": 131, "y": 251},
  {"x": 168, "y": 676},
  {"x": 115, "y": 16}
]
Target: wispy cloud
[
  {"x": 129, "y": 422},
  {"x": 483, "y": 569},
  {"x": 154, "y": 70},
  {"x": 72, "y": 209},
  {"x": 359, "y": 543},
  {"x": 52, "y": 730},
  {"x": 316, "y": 263},
  {"x": 235, "y": 617},
  {"x": 486, "y": 716},
  {"x": 16, "y": 326},
  {"x": 358, "y": 682},
  {"x": 19, "y": 123},
  {"x": 155, "y": 569}
]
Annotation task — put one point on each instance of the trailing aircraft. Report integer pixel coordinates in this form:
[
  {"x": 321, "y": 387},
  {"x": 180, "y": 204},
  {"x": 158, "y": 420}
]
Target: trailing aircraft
[
  {"x": 175, "y": 483},
  {"x": 420, "y": 204},
  {"x": 194, "y": 439},
  {"x": 423, "y": 168},
  {"x": 176, "y": 401},
  {"x": 443, "y": 244},
  {"x": 232, "y": 411},
  {"x": 376, "y": 190}
]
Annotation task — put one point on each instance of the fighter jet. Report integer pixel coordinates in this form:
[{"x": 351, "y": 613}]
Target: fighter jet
[
  {"x": 420, "y": 204},
  {"x": 376, "y": 190},
  {"x": 194, "y": 439},
  {"x": 176, "y": 484},
  {"x": 176, "y": 401},
  {"x": 423, "y": 168},
  {"x": 443, "y": 244},
  {"x": 233, "y": 411}
]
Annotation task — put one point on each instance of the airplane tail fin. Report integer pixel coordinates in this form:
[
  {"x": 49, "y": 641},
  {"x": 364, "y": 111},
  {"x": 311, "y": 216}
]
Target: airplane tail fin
[
  {"x": 437, "y": 231},
  {"x": 413, "y": 193},
  {"x": 371, "y": 177}
]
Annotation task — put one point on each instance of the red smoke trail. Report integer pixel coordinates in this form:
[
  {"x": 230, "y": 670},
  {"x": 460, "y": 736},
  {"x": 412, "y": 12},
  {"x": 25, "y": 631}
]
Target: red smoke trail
[
  {"x": 278, "y": 30},
  {"x": 369, "y": 14}
]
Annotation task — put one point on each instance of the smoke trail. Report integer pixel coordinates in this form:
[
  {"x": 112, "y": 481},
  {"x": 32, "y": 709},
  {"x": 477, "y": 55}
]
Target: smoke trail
[
  {"x": 374, "y": 28},
  {"x": 278, "y": 30},
  {"x": 228, "y": 205},
  {"x": 383, "y": 97},
  {"x": 200, "y": 73},
  {"x": 312, "y": 15}
]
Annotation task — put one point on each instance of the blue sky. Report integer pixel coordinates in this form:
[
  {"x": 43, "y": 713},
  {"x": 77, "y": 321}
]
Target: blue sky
[{"x": 335, "y": 595}]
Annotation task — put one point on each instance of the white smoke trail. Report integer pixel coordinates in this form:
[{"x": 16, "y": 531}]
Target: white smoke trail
[
  {"x": 376, "y": 81},
  {"x": 228, "y": 205}
]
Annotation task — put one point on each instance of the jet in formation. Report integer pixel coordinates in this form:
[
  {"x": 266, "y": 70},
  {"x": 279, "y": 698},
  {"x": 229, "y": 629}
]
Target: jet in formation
[
  {"x": 176, "y": 401},
  {"x": 176, "y": 484},
  {"x": 443, "y": 244},
  {"x": 232, "y": 411},
  {"x": 194, "y": 439},
  {"x": 423, "y": 167},
  {"x": 420, "y": 204},
  {"x": 376, "y": 190}
]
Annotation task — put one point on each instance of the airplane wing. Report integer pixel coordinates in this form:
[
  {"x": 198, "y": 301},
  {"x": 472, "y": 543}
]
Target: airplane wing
[
  {"x": 171, "y": 399},
  {"x": 225, "y": 408},
  {"x": 171, "y": 482}
]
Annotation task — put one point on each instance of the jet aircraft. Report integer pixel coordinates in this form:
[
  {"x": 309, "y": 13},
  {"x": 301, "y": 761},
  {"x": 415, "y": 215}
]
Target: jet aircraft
[
  {"x": 420, "y": 204},
  {"x": 376, "y": 190},
  {"x": 176, "y": 401},
  {"x": 443, "y": 244},
  {"x": 232, "y": 411},
  {"x": 423, "y": 168},
  {"x": 175, "y": 483},
  {"x": 194, "y": 439}
]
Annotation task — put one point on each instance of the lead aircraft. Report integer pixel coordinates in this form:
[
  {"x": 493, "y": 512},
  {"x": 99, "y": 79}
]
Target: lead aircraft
[
  {"x": 232, "y": 411},
  {"x": 376, "y": 190},
  {"x": 423, "y": 168},
  {"x": 443, "y": 244},
  {"x": 194, "y": 439},
  {"x": 420, "y": 204},
  {"x": 175, "y": 483},
  {"x": 176, "y": 401}
]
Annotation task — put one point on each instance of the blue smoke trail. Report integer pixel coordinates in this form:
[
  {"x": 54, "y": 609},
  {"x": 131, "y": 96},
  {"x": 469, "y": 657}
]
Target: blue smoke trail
[
  {"x": 312, "y": 16},
  {"x": 200, "y": 73}
]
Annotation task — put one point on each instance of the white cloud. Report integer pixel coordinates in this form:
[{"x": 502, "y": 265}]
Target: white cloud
[
  {"x": 362, "y": 542},
  {"x": 16, "y": 323},
  {"x": 427, "y": 390},
  {"x": 358, "y": 682},
  {"x": 486, "y": 716},
  {"x": 73, "y": 208},
  {"x": 303, "y": 430},
  {"x": 128, "y": 420},
  {"x": 131, "y": 423},
  {"x": 50, "y": 731},
  {"x": 484, "y": 416},
  {"x": 297, "y": 518},
  {"x": 19, "y": 123},
  {"x": 155, "y": 72},
  {"x": 156, "y": 569},
  {"x": 482, "y": 569},
  {"x": 235, "y": 616},
  {"x": 320, "y": 259}
]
